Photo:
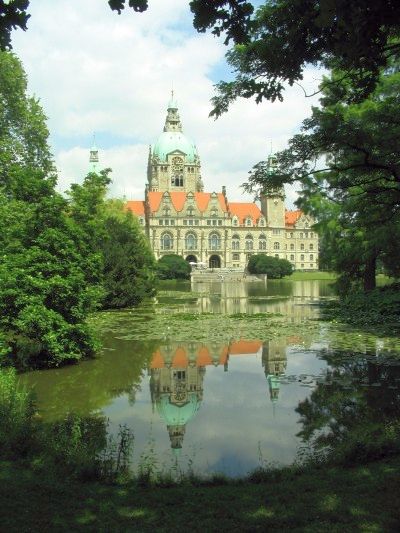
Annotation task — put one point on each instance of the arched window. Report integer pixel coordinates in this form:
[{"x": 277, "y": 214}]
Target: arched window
[
  {"x": 292, "y": 257},
  {"x": 214, "y": 241},
  {"x": 311, "y": 247},
  {"x": 292, "y": 246},
  {"x": 249, "y": 242},
  {"x": 276, "y": 246},
  {"x": 166, "y": 211},
  {"x": 262, "y": 242},
  {"x": 301, "y": 246},
  {"x": 191, "y": 241},
  {"x": 302, "y": 257},
  {"x": 190, "y": 211},
  {"x": 311, "y": 257},
  {"x": 167, "y": 241},
  {"x": 235, "y": 242},
  {"x": 214, "y": 212}
]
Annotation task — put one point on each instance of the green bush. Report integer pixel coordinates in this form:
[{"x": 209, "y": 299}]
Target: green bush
[
  {"x": 273, "y": 267},
  {"x": 173, "y": 266}
]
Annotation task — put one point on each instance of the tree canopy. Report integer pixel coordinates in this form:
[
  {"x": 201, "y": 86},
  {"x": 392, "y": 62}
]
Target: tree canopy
[{"x": 347, "y": 161}]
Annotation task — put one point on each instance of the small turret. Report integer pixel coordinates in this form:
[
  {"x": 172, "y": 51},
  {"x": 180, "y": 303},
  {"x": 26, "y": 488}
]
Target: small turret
[{"x": 94, "y": 157}]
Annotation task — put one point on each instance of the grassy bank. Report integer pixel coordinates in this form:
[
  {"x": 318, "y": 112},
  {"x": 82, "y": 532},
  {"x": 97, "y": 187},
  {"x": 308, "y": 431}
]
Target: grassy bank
[
  {"x": 364, "y": 498},
  {"x": 317, "y": 274}
]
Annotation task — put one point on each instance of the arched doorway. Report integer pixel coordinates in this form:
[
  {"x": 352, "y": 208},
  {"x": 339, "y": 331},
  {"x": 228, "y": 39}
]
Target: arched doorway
[
  {"x": 215, "y": 261},
  {"x": 191, "y": 259}
]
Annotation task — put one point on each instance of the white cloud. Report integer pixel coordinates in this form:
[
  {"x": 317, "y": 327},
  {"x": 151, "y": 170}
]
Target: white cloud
[{"x": 96, "y": 71}]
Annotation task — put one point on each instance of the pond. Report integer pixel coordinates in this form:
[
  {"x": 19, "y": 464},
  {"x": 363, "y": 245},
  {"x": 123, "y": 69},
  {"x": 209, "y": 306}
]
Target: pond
[{"x": 225, "y": 377}]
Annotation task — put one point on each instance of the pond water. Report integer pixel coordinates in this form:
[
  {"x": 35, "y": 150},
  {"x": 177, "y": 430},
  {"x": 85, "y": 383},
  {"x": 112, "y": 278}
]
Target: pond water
[{"x": 220, "y": 377}]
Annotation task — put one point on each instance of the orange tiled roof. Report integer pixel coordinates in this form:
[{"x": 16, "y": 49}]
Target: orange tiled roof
[
  {"x": 244, "y": 347},
  {"x": 202, "y": 200},
  {"x": 180, "y": 358},
  {"x": 203, "y": 357},
  {"x": 154, "y": 198},
  {"x": 291, "y": 217},
  {"x": 136, "y": 206},
  {"x": 178, "y": 199},
  {"x": 243, "y": 210}
]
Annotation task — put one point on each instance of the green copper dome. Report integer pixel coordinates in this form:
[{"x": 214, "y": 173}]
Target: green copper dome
[
  {"x": 170, "y": 141},
  {"x": 175, "y": 415}
]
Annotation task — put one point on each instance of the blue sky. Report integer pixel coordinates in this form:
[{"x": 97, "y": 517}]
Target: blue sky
[{"x": 97, "y": 71}]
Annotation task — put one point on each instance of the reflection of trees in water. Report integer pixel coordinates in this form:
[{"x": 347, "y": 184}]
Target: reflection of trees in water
[
  {"x": 355, "y": 408},
  {"x": 91, "y": 385}
]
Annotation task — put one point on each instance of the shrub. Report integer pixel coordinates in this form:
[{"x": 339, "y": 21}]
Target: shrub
[
  {"x": 272, "y": 266},
  {"x": 173, "y": 266}
]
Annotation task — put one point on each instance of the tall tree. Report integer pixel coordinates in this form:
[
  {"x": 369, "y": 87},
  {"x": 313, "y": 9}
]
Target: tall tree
[
  {"x": 114, "y": 236},
  {"x": 44, "y": 297},
  {"x": 356, "y": 194}
]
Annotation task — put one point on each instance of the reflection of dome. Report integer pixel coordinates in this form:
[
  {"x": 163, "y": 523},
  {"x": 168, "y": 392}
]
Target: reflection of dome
[
  {"x": 175, "y": 415},
  {"x": 274, "y": 383},
  {"x": 170, "y": 141}
]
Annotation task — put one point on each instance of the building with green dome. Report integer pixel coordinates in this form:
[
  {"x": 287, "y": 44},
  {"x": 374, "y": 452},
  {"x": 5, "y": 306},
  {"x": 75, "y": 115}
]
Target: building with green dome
[{"x": 179, "y": 217}]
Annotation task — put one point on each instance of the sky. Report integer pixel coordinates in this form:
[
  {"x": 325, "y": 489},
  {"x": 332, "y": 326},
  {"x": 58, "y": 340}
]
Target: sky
[{"x": 95, "y": 71}]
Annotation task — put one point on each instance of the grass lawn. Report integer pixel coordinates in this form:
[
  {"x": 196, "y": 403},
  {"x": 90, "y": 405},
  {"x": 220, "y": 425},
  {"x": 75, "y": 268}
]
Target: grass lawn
[
  {"x": 317, "y": 274},
  {"x": 363, "y": 498}
]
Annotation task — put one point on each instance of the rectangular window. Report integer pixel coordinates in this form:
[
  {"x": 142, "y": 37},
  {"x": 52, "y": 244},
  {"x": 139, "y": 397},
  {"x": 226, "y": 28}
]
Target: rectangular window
[
  {"x": 235, "y": 257},
  {"x": 166, "y": 222},
  {"x": 172, "y": 222},
  {"x": 196, "y": 222},
  {"x": 208, "y": 222},
  {"x": 219, "y": 222},
  {"x": 190, "y": 222},
  {"x": 184, "y": 222},
  {"x": 161, "y": 222},
  {"x": 276, "y": 231},
  {"x": 214, "y": 222}
]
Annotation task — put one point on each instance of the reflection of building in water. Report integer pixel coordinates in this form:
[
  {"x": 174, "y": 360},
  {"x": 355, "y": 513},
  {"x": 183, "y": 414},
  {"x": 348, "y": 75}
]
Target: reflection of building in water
[
  {"x": 288, "y": 298},
  {"x": 177, "y": 373},
  {"x": 274, "y": 361}
]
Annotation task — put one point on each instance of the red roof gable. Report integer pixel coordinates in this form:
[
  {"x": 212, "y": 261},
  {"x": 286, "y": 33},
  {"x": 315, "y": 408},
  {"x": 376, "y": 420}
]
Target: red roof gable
[
  {"x": 136, "y": 206},
  {"x": 243, "y": 210},
  {"x": 291, "y": 217},
  {"x": 178, "y": 199}
]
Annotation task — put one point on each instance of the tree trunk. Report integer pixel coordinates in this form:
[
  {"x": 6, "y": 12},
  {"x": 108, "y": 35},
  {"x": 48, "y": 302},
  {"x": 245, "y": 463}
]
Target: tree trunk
[{"x": 370, "y": 273}]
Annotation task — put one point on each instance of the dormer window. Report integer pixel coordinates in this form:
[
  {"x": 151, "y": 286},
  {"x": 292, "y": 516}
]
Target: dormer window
[
  {"x": 261, "y": 222},
  {"x": 235, "y": 221},
  {"x": 248, "y": 222}
]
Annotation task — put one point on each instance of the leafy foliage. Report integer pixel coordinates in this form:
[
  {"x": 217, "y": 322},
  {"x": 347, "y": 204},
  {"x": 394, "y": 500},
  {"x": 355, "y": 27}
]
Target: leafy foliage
[
  {"x": 113, "y": 235},
  {"x": 44, "y": 297},
  {"x": 356, "y": 195},
  {"x": 173, "y": 266},
  {"x": 274, "y": 267}
]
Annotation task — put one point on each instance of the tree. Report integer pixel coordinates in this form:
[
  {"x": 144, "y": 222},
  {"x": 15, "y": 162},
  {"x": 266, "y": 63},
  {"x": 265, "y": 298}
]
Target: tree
[
  {"x": 44, "y": 297},
  {"x": 173, "y": 266},
  {"x": 129, "y": 265},
  {"x": 124, "y": 261},
  {"x": 273, "y": 267},
  {"x": 356, "y": 194}
]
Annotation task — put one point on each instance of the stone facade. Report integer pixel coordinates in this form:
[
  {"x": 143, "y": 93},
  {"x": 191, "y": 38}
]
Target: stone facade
[{"x": 179, "y": 217}]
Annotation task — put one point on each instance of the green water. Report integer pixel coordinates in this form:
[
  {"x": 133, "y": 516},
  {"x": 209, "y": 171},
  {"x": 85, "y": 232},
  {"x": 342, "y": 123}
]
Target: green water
[{"x": 220, "y": 377}]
